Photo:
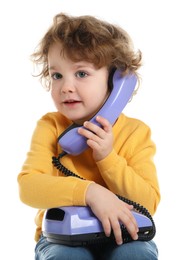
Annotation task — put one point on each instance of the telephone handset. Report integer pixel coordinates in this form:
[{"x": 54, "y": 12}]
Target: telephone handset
[{"x": 123, "y": 87}]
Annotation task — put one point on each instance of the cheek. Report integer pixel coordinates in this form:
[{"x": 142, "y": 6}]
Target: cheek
[
  {"x": 54, "y": 92},
  {"x": 99, "y": 98},
  {"x": 103, "y": 94},
  {"x": 54, "y": 95}
]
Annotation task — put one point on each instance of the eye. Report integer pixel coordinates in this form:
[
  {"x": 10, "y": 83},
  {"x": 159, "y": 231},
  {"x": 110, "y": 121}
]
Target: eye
[
  {"x": 56, "y": 76},
  {"x": 81, "y": 74}
]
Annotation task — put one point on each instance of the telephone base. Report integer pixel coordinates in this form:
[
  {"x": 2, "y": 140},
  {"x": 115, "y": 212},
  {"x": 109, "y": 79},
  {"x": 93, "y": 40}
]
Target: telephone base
[{"x": 78, "y": 226}]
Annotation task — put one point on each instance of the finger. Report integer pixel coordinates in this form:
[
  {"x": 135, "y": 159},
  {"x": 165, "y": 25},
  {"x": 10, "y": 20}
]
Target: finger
[
  {"x": 104, "y": 123},
  {"x": 89, "y": 134},
  {"x": 97, "y": 130},
  {"x": 131, "y": 225},
  {"x": 134, "y": 222},
  {"x": 128, "y": 209},
  {"x": 117, "y": 231},
  {"x": 106, "y": 227}
]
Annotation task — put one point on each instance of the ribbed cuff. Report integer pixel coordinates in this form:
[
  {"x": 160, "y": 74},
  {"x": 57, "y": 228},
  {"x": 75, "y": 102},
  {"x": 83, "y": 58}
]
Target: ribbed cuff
[
  {"x": 80, "y": 193},
  {"x": 108, "y": 162}
]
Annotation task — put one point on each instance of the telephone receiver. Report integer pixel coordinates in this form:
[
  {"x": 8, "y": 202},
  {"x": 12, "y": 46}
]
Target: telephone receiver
[{"x": 123, "y": 87}]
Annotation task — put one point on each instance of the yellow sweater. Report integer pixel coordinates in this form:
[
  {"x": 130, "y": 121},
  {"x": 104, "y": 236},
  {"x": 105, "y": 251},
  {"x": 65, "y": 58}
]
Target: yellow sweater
[{"x": 128, "y": 170}]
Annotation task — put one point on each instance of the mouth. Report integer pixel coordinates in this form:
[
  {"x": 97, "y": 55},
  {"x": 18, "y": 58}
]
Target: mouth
[{"x": 71, "y": 102}]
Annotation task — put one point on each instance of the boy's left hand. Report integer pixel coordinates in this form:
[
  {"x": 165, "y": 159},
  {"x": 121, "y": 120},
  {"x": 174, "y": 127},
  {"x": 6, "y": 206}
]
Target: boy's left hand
[{"x": 100, "y": 140}]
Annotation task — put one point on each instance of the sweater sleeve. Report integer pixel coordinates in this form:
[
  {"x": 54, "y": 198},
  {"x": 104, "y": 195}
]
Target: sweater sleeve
[
  {"x": 129, "y": 170},
  {"x": 40, "y": 185}
]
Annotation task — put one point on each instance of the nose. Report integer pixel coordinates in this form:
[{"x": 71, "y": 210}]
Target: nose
[{"x": 67, "y": 86}]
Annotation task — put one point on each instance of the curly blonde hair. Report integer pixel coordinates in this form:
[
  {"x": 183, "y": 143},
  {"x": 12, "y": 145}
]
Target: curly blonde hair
[{"x": 86, "y": 38}]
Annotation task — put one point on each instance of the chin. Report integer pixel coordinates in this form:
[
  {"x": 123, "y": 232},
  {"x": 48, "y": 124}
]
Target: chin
[{"x": 77, "y": 119}]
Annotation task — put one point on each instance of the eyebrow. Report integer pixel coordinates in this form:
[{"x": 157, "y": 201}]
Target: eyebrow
[
  {"x": 51, "y": 68},
  {"x": 76, "y": 66},
  {"x": 83, "y": 65}
]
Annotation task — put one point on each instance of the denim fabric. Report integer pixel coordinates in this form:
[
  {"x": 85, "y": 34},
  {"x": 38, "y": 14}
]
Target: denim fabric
[{"x": 136, "y": 250}]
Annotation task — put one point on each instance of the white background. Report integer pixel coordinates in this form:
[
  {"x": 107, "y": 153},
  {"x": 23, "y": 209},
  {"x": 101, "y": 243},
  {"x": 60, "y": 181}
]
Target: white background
[{"x": 159, "y": 29}]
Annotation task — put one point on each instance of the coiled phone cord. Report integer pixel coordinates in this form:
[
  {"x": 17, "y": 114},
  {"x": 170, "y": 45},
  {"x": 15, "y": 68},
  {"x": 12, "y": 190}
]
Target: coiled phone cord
[{"x": 139, "y": 208}]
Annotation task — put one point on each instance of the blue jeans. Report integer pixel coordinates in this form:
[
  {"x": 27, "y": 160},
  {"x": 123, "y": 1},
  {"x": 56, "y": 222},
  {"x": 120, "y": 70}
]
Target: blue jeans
[{"x": 136, "y": 250}]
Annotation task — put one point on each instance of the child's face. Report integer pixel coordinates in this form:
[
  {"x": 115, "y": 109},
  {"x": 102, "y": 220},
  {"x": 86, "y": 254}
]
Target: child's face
[{"x": 78, "y": 89}]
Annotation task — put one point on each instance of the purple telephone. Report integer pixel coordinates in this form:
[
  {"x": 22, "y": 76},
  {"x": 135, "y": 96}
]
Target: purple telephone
[
  {"x": 78, "y": 225},
  {"x": 123, "y": 87}
]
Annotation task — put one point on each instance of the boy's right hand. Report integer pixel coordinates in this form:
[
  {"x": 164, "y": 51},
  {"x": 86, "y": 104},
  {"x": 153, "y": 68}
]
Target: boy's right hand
[{"x": 110, "y": 210}]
